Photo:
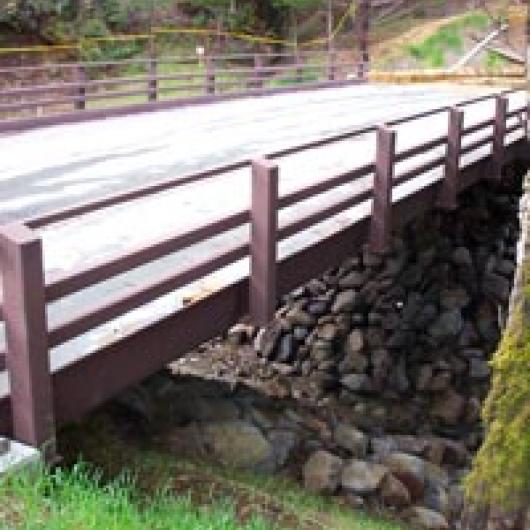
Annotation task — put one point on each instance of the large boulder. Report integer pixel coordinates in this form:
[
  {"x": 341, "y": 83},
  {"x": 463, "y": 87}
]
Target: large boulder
[
  {"x": 410, "y": 470},
  {"x": 394, "y": 493},
  {"x": 362, "y": 478},
  {"x": 322, "y": 472}
]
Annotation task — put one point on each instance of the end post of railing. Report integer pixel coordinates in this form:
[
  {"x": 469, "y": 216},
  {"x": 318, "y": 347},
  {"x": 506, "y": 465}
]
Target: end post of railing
[
  {"x": 381, "y": 220},
  {"x": 447, "y": 198},
  {"x": 499, "y": 136},
  {"x": 299, "y": 67},
  {"x": 80, "y": 102},
  {"x": 263, "y": 240},
  {"x": 27, "y": 359},
  {"x": 210, "y": 76}
]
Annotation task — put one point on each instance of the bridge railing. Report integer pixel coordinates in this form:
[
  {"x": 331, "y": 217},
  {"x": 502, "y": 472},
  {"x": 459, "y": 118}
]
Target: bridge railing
[
  {"x": 40, "y": 400},
  {"x": 134, "y": 83}
]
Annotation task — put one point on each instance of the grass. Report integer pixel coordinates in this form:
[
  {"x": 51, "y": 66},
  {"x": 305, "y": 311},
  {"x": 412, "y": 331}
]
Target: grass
[
  {"x": 142, "y": 485},
  {"x": 448, "y": 38},
  {"x": 78, "y": 499}
]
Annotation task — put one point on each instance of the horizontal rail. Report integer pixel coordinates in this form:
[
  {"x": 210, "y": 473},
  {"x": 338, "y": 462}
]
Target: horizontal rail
[
  {"x": 143, "y": 191},
  {"x": 183, "y": 59},
  {"x": 478, "y": 126},
  {"x": 139, "y": 296},
  {"x": 417, "y": 171},
  {"x": 96, "y": 273},
  {"x": 481, "y": 142},
  {"x": 420, "y": 149},
  {"x": 325, "y": 185},
  {"x": 321, "y": 215}
]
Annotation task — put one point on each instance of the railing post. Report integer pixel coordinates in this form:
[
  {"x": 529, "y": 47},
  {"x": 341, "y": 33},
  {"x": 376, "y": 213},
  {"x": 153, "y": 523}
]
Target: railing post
[
  {"x": 447, "y": 198},
  {"x": 152, "y": 85},
  {"x": 331, "y": 65},
  {"x": 210, "y": 76},
  {"x": 258, "y": 65},
  {"x": 381, "y": 229},
  {"x": 299, "y": 67},
  {"x": 499, "y": 135},
  {"x": 27, "y": 357},
  {"x": 80, "y": 102},
  {"x": 364, "y": 32},
  {"x": 264, "y": 225}
]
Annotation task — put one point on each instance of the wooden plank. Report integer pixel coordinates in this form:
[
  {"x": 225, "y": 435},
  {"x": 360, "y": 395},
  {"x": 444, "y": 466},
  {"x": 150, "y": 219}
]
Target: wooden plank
[{"x": 27, "y": 360}]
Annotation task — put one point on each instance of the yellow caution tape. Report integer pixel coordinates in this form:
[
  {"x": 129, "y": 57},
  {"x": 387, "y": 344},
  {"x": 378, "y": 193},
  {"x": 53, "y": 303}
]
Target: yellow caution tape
[{"x": 143, "y": 36}]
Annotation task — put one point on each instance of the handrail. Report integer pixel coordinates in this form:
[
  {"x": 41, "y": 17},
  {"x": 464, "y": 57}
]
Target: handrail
[{"x": 143, "y": 191}]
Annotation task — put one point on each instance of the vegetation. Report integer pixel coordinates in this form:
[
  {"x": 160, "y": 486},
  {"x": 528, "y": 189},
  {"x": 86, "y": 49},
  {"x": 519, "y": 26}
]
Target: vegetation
[
  {"x": 449, "y": 38},
  {"x": 501, "y": 471},
  {"x": 68, "y": 500},
  {"x": 158, "y": 485}
]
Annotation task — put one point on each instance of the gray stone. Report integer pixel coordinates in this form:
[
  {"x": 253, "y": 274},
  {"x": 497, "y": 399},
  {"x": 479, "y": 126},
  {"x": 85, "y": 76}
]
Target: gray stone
[
  {"x": 354, "y": 343},
  {"x": 345, "y": 302},
  {"x": 456, "y": 298},
  {"x": 298, "y": 317},
  {"x": 410, "y": 470},
  {"x": 353, "y": 362},
  {"x": 462, "y": 257},
  {"x": 286, "y": 349},
  {"x": 478, "y": 368},
  {"x": 283, "y": 442},
  {"x": 357, "y": 382},
  {"x": 268, "y": 339},
  {"x": 496, "y": 287},
  {"x": 322, "y": 350},
  {"x": 322, "y": 472},
  {"x": 394, "y": 493},
  {"x": 436, "y": 498},
  {"x": 362, "y": 478},
  {"x": 353, "y": 280},
  {"x": 327, "y": 332},
  {"x": 448, "y": 407},
  {"x": 425, "y": 519},
  {"x": 238, "y": 444},
  {"x": 351, "y": 439},
  {"x": 424, "y": 377},
  {"x": 448, "y": 325}
]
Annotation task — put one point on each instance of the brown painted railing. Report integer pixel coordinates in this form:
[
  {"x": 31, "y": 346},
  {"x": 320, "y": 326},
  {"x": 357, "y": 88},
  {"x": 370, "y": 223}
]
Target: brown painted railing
[
  {"x": 90, "y": 86},
  {"x": 40, "y": 400}
]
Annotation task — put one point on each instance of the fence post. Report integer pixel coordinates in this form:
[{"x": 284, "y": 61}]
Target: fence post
[
  {"x": 447, "y": 199},
  {"x": 331, "y": 66},
  {"x": 299, "y": 67},
  {"x": 27, "y": 357},
  {"x": 258, "y": 65},
  {"x": 152, "y": 84},
  {"x": 380, "y": 228},
  {"x": 80, "y": 102},
  {"x": 499, "y": 135},
  {"x": 210, "y": 76},
  {"x": 364, "y": 31},
  {"x": 264, "y": 225}
]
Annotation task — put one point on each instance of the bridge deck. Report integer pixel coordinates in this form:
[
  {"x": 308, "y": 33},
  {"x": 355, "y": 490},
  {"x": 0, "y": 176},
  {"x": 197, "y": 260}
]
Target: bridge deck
[{"x": 42, "y": 170}]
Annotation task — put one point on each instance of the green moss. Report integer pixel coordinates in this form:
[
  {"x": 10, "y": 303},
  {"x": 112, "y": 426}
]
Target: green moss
[{"x": 501, "y": 470}]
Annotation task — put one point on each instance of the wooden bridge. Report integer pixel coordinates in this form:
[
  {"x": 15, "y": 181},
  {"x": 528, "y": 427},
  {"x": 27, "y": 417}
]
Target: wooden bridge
[{"x": 391, "y": 183}]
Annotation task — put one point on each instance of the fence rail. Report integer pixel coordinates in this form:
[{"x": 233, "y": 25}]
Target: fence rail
[
  {"x": 89, "y": 86},
  {"x": 29, "y": 337}
]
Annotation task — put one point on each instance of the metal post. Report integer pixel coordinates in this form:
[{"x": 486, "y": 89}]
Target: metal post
[
  {"x": 364, "y": 29},
  {"x": 381, "y": 229},
  {"x": 80, "y": 102},
  {"x": 152, "y": 85},
  {"x": 447, "y": 198},
  {"x": 26, "y": 336},
  {"x": 264, "y": 225},
  {"x": 210, "y": 76},
  {"x": 499, "y": 135}
]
